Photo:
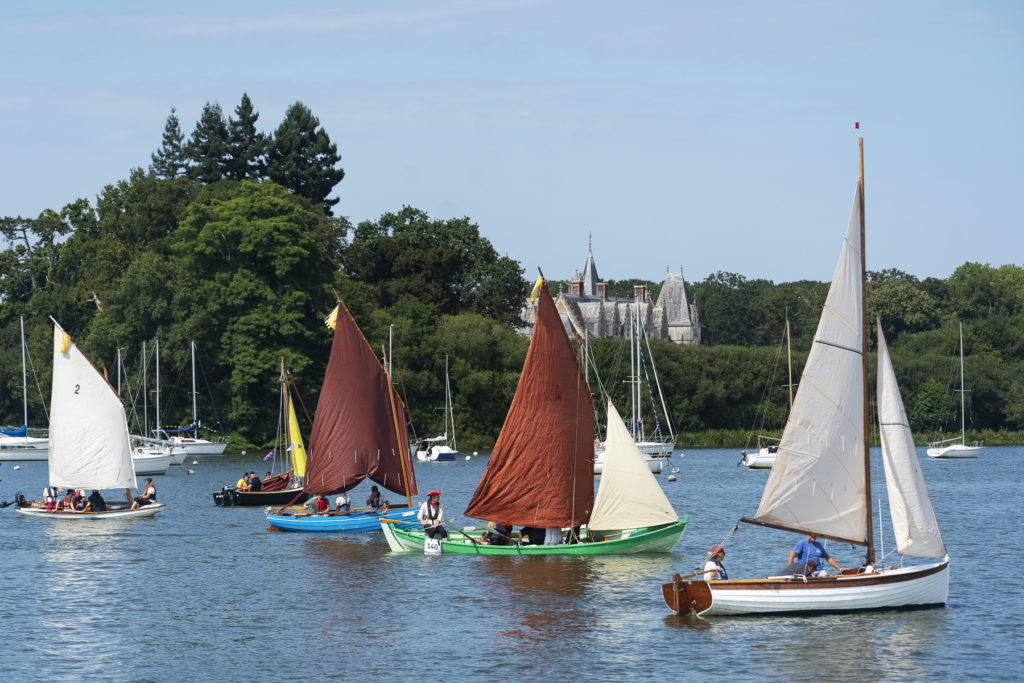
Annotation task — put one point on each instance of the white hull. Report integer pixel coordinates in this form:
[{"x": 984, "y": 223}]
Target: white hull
[
  {"x": 656, "y": 449},
  {"x": 150, "y": 464},
  {"x": 655, "y": 464},
  {"x": 144, "y": 511},
  {"x": 22, "y": 448},
  {"x": 957, "y": 450},
  {"x": 436, "y": 453},
  {"x": 906, "y": 587},
  {"x": 762, "y": 459},
  {"x": 199, "y": 446}
]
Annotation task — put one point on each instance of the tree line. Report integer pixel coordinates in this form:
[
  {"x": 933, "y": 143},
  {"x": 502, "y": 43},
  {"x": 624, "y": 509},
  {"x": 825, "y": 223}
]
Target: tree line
[{"x": 229, "y": 238}]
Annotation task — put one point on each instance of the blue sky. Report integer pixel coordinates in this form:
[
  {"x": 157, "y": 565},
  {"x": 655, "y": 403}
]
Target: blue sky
[{"x": 697, "y": 135}]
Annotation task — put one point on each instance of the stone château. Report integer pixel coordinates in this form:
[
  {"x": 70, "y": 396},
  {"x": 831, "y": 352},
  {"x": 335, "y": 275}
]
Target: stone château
[{"x": 586, "y": 309}]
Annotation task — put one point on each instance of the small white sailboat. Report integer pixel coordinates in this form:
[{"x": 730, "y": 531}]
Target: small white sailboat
[
  {"x": 194, "y": 445},
  {"x": 821, "y": 484},
  {"x": 89, "y": 442},
  {"x": 764, "y": 457},
  {"x": 18, "y": 445},
  {"x": 153, "y": 456},
  {"x": 959, "y": 449},
  {"x": 441, "y": 448}
]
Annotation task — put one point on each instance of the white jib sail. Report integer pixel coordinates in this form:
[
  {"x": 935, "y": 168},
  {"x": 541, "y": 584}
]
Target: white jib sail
[
  {"x": 817, "y": 482},
  {"x": 628, "y": 496},
  {"x": 913, "y": 519},
  {"x": 89, "y": 444}
]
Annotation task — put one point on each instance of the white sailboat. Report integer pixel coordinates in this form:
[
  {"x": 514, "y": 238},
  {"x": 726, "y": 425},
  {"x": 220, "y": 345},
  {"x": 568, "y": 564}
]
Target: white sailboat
[
  {"x": 764, "y": 457},
  {"x": 19, "y": 446},
  {"x": 153, "y": 456},
  {"x": 193, "y": 445},
  {"x": 960, "y": 449},
  {"x": 89, "y": 441},
  {"x": 820, "y": 483},
  {"x": 441, "y": 448},
  {"x": 656, "y": 448}
]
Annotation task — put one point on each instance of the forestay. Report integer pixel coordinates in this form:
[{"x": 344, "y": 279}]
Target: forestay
[
  {"x": 629, "y": 496},
  {"x": 89, "y": 442},
  {"x": 817, "y": 483},
  {"x": 913, "y": 519}
]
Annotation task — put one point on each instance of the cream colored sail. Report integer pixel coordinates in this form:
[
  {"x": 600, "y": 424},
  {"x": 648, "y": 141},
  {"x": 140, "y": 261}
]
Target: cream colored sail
[
  {"x": 913, "y": 519},
  {"x": 817, "y": 483},
  {"x": 629, "y": 496},
  {"x": 89, "y": 444},
  {"x": 296, "y": 448}
]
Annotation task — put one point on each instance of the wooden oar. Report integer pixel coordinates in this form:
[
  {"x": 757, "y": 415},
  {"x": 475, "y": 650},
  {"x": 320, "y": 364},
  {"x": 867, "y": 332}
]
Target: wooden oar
[{"x": 454, "y": 526}]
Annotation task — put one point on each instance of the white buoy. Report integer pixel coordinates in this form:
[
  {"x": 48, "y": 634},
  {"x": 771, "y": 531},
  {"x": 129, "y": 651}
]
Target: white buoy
[
  {"x": 671, "y": 477},
  {"x": 467, "y": 457},
  {"x": 190, "y": 471},
  {"x": 474, "y": 452},
  {"x": 195, "y": 462},
  {"x": 675, "y": 470},
  {"x": 243, "y": 452},
  {"x": 17, "y": 467}
]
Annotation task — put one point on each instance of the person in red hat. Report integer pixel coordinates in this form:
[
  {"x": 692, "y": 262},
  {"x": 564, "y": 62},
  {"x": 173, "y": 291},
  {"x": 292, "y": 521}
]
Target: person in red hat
[
  {"x": 431, "y": 516},
  {"x": 714, "y": 569}
]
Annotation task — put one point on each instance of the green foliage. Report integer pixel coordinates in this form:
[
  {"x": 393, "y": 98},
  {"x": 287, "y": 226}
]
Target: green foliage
[
  {"x": 303, "y": 159},
  {"x": 247, "y": 147},
  {"x": 446, "y": 264},
  {"x": 169, "y": 161},
  {"x": 207, "y": 149}
]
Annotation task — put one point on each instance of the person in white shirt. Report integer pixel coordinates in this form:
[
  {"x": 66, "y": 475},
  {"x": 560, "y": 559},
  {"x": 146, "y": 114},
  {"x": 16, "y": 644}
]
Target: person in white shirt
[
  {"x": 342, "y": 503},
  {"x": 431, "y": 516},
  {"x": 714, "y": 569}
]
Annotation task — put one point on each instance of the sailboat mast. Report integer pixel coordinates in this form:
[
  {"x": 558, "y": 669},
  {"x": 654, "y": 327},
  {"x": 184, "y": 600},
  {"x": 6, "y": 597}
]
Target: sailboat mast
[
  {"x": 864, "y": 366},
  {"x": 398, "y": 431},
  {"x": 789, "y": 363},
  {"x": 963, "y": 414},
  {"x": 158, "y": 387},
  {"x": 194, "y": 411},
  {"x": 25, "y": 378}
]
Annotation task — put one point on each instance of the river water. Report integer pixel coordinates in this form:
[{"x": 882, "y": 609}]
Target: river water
[{"x": 201, "y": 591}]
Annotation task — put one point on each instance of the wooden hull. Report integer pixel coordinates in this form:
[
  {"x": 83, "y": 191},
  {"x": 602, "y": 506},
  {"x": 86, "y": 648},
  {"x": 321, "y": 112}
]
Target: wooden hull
[
  {"x": 144, "y": 511},
  {"x": 354, "y": 522},
  {"x": 648, "y": 540},
  {"x": 232, "y": 498},
  {"x": 901, "y": 588}
]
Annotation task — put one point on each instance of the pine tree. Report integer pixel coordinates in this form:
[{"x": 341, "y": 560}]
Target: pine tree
[
  {"x": 169, "y": 160},
  {"x": 207, "y": 149},
  {"x": 302, "y": 157},
  {"x": 246, "y": 147}
]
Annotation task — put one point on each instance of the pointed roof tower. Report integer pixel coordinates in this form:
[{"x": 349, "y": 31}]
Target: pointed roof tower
[{"x": 590, "y": 277}]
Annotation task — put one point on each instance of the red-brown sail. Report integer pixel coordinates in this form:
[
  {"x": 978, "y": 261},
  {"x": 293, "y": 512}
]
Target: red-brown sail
[
  {"x": 541, "y": 471},
  {"x": 354, "y": 431}
]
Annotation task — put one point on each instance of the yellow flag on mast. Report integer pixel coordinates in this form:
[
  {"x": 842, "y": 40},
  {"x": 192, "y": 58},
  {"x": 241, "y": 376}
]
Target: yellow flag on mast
[
  {"x": 536, "y": 288},
  {"x": 332, "y": 319}
]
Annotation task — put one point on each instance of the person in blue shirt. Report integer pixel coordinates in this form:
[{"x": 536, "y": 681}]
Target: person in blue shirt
[{"x": 810, "y": 550}]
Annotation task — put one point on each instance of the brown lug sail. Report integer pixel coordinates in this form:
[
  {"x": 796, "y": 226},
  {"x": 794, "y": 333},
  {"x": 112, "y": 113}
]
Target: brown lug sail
[
  {"x": 541, "y": 471},
  {"x": 354, "y": 431}
]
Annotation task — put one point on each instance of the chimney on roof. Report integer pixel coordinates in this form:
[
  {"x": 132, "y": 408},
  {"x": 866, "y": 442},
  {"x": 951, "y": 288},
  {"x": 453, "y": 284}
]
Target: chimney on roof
[
  {"x": 640, "y": 293},
  {"x": 602, "y": 290}
]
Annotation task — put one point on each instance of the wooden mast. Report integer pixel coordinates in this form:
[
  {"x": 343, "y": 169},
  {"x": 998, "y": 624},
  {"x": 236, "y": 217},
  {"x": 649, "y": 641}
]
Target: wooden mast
[
  {"x": 398, "y": 433},
  {"x": 870, "y": 559}
]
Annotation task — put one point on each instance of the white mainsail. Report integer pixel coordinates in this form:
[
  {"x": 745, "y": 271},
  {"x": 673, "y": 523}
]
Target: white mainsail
[
  {"x": 89, "y": 443},
  {"x": 629, "y": 496},
  {"x": 913, "y": 519},
  {"x": 817, "y": 483}
]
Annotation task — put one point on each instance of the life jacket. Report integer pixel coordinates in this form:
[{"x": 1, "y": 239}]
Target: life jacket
[
  {"x": 433, "y": 512},
  {"x": 321, "y": 504},
  {"x": 152, "y": 495}
]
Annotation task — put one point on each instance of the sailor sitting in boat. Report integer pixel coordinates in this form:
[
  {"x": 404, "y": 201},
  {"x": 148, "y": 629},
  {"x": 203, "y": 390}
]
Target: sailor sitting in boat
[
  {"x": 431, "y": 516},
  {"x": 342, "y": 503},
  {"x": 714, "y": 569},
  {"x": 805, "y": 559}
]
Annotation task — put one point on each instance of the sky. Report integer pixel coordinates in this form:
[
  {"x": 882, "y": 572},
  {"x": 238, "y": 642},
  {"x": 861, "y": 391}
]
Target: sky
[{"x": 702, "y": 136}]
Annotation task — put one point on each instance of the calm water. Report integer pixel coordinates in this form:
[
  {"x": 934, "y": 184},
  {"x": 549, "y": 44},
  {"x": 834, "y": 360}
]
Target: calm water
[{"x": 202, "y": 591}]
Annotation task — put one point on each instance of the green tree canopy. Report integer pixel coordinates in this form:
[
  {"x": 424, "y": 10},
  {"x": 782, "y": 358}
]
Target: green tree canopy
[
  {"x": 207, "y": 149},
  {"x": 169, "y": 161},
  {"x": 247, "y": 147},
  {"x": 303, "y": 159}
]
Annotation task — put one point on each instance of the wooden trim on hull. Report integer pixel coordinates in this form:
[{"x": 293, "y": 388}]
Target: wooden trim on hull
[{"x": 824, "y": 595}]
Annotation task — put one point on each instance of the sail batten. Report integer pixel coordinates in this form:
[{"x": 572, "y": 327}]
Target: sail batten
[
  {"x": 541, "y": 470},
  {"x": 913, "y": 519},
  {"x": 356, "y": 413},
  {"x": 818, "y": 483},
  {"x": 89, "y": 443}
]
